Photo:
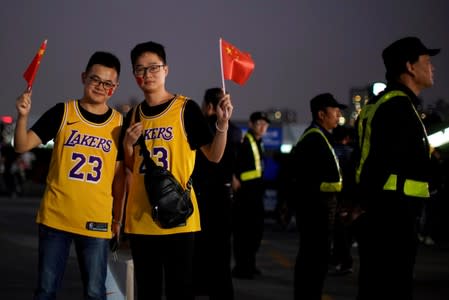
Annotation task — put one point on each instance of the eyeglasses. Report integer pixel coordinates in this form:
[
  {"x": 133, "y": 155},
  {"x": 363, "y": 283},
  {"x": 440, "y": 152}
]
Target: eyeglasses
[
  {"x": 141, "y": 71},
  {"x": 96, "y": 81}
]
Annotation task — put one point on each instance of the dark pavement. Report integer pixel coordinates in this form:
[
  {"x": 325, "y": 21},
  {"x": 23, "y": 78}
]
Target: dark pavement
[{"x": 18, "y": 259}]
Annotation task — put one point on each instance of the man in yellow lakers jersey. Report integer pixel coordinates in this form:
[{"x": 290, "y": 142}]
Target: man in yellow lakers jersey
[
  {"x": 173, "y": 128},
  {"x": 78, "y": 200}
]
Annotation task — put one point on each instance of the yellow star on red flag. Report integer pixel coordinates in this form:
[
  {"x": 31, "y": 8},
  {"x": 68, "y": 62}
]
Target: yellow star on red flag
[
  {"x": 30, "y": 72},
  {"x": 237, "y": 65}
]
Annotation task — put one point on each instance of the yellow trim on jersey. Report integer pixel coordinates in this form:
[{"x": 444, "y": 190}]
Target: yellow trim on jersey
[
  {"x": 167, "y": 142},
  {"x": 78, "y": 195}
]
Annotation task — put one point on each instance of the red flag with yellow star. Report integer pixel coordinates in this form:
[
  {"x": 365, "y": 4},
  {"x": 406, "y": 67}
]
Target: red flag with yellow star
[
  {"x": 236, "y": 65},
  {"x": 31, "y": 71}
]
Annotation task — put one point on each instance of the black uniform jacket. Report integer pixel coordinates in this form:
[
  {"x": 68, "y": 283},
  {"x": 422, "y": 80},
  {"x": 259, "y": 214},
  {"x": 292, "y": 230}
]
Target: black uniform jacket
[
  {"x": 398, "y": 143},
  {"x": 314, "y": 162}
]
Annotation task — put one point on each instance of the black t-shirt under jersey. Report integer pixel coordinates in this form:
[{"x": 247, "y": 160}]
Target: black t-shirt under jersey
[{"x": 197, "y": 129}]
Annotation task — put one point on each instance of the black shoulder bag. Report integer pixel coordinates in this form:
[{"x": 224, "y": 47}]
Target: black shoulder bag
[{"x": 170, "y": 203}]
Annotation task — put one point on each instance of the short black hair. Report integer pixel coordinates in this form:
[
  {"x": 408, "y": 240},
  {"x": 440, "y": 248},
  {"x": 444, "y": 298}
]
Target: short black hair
[
  {"x": 150, "y": 46},
  {"x": 259, "y": 115},
  {"x": 105, "y": 59},
  {"x": 213, "y": 96}
]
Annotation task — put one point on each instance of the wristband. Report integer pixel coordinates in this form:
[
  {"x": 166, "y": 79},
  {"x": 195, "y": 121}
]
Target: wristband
[{"x": 219, "y": 129}]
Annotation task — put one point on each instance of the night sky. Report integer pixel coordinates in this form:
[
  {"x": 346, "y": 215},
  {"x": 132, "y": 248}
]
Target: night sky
[{"x": 300, "y": 47}]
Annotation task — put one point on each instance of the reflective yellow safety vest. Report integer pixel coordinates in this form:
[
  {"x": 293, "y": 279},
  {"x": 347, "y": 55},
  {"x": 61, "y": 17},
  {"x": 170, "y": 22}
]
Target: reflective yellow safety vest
[
  {"x": 412, "y": 188},
  {"x": 328, "y": 186},
  {"x": 256, "y": 173}
]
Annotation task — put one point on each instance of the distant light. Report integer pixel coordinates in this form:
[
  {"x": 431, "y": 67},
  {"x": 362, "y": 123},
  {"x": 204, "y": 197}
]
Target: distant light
[
  {"x": 6, "y": 119},
  {"x": 277, "y": 115},
  {"x": 439, "y": 138},
  {"x": 341, "y": 121},
  {"x": 378, "y": 87},
  {"x": 286, "y": 148},
  {"x": 357, "y": 98}
]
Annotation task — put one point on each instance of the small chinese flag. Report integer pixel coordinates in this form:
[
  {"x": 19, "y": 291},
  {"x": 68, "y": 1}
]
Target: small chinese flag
[
  {"x": 31, "y": 71},
  {"x": 237, "y": 65}
]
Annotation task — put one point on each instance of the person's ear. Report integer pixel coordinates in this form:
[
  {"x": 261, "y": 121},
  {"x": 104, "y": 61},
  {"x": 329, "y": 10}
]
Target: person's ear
[
  {"x": 321, "y": 114},
  {"x": 410, "y": 67},
  {"x": 210, "y": 108},
  {"x": 83, "y": 78}
]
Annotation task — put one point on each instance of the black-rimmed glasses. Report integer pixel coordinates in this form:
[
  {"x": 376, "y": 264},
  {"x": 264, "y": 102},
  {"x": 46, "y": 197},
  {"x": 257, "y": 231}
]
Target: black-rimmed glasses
[
  {"x": 141, "y": 71},
  {"x": 95, "y": 80}
]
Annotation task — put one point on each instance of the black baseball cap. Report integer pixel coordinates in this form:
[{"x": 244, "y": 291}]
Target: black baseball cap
[
  {"x": 321, "y": 101},
  {"x": 259, "y": 115},
  {"x": 407, "y": 49}
]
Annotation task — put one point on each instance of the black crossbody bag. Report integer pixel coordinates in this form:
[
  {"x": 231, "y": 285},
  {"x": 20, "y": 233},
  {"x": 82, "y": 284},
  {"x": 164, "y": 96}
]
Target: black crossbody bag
[{"x": 171, "y": 205}]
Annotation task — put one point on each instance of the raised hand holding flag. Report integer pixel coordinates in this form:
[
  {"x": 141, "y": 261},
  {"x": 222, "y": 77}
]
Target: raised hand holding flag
[
  {"x": 235, "y": 64},
  {"x": 31, "y": 71}
]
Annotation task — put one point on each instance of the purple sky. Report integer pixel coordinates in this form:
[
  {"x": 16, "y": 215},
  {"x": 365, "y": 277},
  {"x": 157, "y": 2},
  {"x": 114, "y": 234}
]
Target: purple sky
[{"x": 300, "y": 47}]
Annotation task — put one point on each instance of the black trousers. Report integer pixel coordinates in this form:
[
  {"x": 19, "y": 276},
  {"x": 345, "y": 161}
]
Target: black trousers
[
  {"x": 158, "y": 259},
  {"x": 387, "y": 238},
  {"x": 315, "y": 220},
  {"x": 248, "y": 226},
  {"x": 212, "y": 256},
  {"x": 342, "y": 242}
]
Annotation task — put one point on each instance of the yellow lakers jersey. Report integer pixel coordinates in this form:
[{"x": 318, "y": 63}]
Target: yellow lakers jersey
[
  {"x": 167, "y": 143},
  {"x": 78, "y": 195}
]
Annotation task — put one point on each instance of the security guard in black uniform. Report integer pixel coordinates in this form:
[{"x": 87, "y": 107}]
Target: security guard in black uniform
[
  {"x": 248, "y": 208},
  {"x": 212, "y": 184},
  {"x": 393, "y": 173},
  {"x": 317, "y": 180}
]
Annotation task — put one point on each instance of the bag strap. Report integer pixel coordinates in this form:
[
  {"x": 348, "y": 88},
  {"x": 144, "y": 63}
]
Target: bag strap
[
  {"x": 149, "y": 163},
  {"x": 145, "y": 153}
]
